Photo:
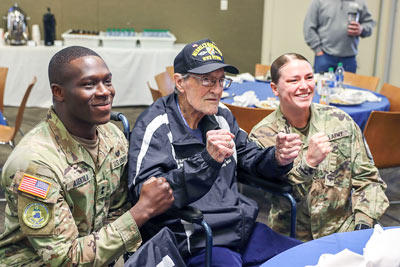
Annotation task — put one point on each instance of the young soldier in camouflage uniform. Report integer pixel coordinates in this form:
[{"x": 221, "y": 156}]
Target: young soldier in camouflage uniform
[
  {"x": 336, "y": 185},
  {"x": 66, "y": 202}
]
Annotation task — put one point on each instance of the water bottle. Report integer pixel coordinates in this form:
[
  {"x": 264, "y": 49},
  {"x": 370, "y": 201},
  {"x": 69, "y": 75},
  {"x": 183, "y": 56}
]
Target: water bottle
[
  {"x": 49, "y": 28},
  {"x": 339, "y": 73},
  {"x": 327, "y": 86},
  {"x": 325, "y": 92},
  {"x": 331, "y": 78}
]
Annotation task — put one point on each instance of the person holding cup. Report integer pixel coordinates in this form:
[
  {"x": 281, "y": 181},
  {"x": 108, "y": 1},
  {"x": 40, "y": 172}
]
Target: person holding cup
[{"x": 332, "y": 30}]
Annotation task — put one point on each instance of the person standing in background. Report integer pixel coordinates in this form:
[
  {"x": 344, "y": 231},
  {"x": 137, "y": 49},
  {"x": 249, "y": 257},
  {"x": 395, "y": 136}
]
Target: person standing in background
[{"x": 332, "y": 29}]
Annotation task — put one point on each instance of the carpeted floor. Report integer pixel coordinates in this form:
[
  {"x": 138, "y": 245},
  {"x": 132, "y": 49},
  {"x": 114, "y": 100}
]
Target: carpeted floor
[{"x": 33, "y": 115}]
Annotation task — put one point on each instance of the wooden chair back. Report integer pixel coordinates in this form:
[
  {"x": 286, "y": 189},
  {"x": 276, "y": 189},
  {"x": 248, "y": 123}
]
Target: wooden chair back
[
  {"x": 382, "y": 135},
  {"x": 3, "y": 77},
  {"x": 362, "y": 81},
  {"x": 165, "y": 84},
  {"x": 261, "y": 70},
  {"x": 393, "y": 94},
  {"x": 248, "y": 117},
  {"x": 170, "y": 71},
  {"x": 8, "y": 133},
  {"x": 156, "y": 94}
]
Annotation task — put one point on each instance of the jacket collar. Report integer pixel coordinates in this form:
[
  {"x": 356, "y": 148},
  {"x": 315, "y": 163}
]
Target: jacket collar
[{"x": 181, "y": 134}]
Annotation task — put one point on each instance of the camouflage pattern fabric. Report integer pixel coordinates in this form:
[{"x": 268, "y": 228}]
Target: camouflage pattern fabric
[
  {"x": 344, "y": 190},
  {"x": 83, "y": 219}
]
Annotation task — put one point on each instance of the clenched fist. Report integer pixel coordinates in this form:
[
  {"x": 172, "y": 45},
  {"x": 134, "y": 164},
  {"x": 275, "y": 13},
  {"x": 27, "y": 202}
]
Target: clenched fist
[
  {"x": 287, "y": 148},
  {"x": 220, "y": 144},
  {"x": 155, "y": 198},
  {"x": 318, "y": 148}
]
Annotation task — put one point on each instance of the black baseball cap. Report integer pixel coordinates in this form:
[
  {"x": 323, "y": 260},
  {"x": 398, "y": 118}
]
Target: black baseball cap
[{"x": 201, "y": 57}]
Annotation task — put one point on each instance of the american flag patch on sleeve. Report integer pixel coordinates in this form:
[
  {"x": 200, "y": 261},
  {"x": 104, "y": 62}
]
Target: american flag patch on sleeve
[{"x": 34, "y": 186}]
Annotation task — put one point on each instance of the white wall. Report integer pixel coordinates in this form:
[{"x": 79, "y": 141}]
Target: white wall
[
  {"x": 283, "y": 32},
  {"x": 394, "y": 71}
]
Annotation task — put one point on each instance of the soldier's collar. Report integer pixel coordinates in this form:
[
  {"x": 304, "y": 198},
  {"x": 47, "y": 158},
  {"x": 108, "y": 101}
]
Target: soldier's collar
[{"x": 72, "y": 149}]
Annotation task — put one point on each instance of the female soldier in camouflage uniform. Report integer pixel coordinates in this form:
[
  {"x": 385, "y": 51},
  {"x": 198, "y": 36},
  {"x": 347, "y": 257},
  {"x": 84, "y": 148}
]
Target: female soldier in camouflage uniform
[{"x": 336, "y": 185}]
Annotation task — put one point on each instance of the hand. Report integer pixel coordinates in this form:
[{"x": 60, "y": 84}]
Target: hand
[
  {"x": 354, "y": 29},
  {"x": 155, "y": 198},
  {"x": 287, "y": 148},
  {"x": 318, "y": 148},
  {"x": 220, "y": 144}
]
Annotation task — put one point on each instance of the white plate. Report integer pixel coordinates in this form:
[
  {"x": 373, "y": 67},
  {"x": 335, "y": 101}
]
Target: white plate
[
  {"x": 268, "y": 104},
  {"x": 347, "y": 97},
  {"x": 344, "y": 103}
]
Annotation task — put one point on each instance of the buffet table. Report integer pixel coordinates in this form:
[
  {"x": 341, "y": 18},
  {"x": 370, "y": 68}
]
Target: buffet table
[{"x": 131, "y": 69}]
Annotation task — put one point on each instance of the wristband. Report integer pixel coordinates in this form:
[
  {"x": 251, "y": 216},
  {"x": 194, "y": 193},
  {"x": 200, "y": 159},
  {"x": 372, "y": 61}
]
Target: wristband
[{"x": 361, "y": 226}]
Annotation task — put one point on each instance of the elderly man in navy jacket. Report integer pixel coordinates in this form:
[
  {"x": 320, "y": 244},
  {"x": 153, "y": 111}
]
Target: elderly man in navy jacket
[{"x": 194, "y": 141}]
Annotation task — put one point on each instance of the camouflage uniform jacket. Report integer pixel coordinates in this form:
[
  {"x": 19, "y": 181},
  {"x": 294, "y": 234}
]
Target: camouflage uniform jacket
[
  {"x": 345, "y": 189},
  {"x": 83, "y": 218}
]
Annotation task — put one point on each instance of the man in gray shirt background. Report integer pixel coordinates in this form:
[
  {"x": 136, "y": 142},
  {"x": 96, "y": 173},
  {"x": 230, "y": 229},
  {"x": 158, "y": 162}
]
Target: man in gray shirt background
[{"x": 332, "y": 29}]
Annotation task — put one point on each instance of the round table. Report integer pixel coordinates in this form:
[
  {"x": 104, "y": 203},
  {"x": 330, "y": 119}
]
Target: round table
[
  {"x": 359, "y": 113},
  {"x": 308, "y": 253}
]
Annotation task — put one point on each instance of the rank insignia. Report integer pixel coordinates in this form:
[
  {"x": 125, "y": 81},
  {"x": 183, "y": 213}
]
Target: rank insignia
[
  {"x": 34, "y": 186},
  {"x": 36, "y": 215}
]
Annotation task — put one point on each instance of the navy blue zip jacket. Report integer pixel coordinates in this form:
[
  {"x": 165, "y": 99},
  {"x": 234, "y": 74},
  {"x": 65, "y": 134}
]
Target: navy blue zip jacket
[{"x": 162, "y": 146}]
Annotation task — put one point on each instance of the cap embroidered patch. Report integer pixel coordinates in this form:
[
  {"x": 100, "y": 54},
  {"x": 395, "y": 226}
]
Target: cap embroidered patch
[
  {"x": 34, "y": 186},
  {"x": 207, "y": 51},
  {"x": 36, "y": 215}
]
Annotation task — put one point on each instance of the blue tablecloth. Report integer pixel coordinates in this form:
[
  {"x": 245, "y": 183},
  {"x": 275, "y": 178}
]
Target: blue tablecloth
[
  {"x": 359, "y": 113},
  {"x": 308, "y": 253}
]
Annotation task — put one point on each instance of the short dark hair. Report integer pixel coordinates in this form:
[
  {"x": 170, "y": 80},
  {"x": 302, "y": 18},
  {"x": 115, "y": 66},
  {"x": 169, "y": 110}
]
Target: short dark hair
[
  {"x": 280, "y": 61},
  {"x": 63, "y": 57}
]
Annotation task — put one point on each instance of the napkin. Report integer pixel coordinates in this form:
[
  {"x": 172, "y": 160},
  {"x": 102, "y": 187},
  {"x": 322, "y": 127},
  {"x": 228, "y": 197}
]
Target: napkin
[
  {"x": 381, "y": 250},
  {"x": 345, "y": 258},
  {"x": 383, "y": 247},
  {"x": 370, "y": 97},
  {"x": 248, "y": 98},
  {"x": 242, "y": 77}
]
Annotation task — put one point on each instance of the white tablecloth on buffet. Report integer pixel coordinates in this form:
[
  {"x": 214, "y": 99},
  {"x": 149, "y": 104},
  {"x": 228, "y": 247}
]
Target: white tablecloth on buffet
[{"x": 131, "y": 69}]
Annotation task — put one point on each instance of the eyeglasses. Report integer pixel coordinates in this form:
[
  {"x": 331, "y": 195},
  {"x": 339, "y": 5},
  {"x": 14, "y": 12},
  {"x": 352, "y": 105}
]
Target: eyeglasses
[{"x": 210, "y": 82}]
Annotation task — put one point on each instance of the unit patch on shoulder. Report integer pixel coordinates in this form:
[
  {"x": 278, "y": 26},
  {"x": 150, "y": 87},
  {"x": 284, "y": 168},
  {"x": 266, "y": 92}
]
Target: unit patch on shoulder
[
  {"x": 34, "y": 186},
  {"x": 36, "y": 215}
]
